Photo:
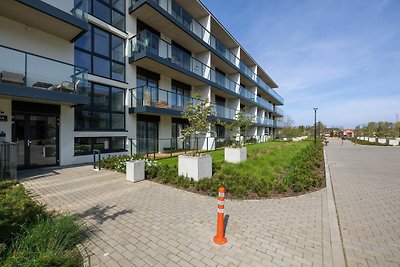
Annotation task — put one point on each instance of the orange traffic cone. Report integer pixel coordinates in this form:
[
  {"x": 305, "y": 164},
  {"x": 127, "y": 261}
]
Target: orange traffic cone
[{"x": 220, "y": 238}]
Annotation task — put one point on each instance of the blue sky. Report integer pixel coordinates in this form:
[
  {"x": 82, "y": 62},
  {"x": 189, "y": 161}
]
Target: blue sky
[{"x": 342, "y": 56}]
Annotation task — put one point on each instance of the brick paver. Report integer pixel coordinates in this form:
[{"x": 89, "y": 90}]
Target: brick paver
[
  {"x": 366, "y": 183},
  {"x": 148, "y": 224}
]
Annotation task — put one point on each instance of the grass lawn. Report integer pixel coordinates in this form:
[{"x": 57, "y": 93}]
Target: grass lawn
[
  {"x": 218, "y": 155},
  {"x": 271, "y": 168}
]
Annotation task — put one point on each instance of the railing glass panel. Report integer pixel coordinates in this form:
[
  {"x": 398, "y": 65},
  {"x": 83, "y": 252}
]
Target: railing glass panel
[{"x": 21, "y": 68}]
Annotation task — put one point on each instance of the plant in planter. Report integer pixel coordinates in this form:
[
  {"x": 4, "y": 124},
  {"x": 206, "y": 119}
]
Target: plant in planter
[
  {"x": 238, "y": 128},
  {"x": 196, "y": 166}
]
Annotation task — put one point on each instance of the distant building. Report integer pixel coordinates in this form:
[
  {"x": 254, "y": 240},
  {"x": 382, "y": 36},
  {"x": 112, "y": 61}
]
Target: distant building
[{"x": 348, "y": 133}]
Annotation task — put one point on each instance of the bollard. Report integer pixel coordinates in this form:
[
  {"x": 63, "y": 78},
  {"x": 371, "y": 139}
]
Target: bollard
[{"x": 220, "y": 238}]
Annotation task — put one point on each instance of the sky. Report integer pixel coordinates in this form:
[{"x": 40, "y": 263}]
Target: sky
[{"x": 341, "y": 56}]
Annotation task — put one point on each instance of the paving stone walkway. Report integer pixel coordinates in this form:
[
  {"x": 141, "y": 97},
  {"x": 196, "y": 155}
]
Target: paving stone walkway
[
  {"x": 366, "y": 183},
  {"x": 148, "y": 224}
]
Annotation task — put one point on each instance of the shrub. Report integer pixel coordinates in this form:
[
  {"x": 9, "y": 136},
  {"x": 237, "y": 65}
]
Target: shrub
[
  {"x": 118, "y": 163},
  {"x": 49, "y": 242},
  {"x": 31, "y": 237},
  {"x": 303, "y": 173},
  {"x": 16, "y": 210}
]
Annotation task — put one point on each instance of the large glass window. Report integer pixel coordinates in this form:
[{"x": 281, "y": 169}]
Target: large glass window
[
  {"x": 102, "y": 53},
  {"x": 109, "y": 11},
  {"x": 101, "y": 42},
  {"x": 85, "y": 145},
  {"x": 105, "y": 112}
]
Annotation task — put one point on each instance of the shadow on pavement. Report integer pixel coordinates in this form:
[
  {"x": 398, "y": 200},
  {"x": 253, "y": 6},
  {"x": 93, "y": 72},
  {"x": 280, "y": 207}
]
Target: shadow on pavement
[{"x": 102, "y": 214}]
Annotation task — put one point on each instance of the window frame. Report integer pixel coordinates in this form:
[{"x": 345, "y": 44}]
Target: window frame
[
  {"x": 108, "y": 58},
  {"x": 111, "y": 8},
  {"x": 92, "y": 142},
  {"x": 92, "y": 110}
]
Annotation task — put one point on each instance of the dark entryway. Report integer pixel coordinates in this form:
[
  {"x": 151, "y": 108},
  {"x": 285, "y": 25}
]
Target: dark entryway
[{"x": 36, "y": 134}]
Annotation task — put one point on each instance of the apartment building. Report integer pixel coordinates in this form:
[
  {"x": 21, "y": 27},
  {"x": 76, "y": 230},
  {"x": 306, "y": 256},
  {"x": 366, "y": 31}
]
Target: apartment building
[{"x": 116, "y": 75}]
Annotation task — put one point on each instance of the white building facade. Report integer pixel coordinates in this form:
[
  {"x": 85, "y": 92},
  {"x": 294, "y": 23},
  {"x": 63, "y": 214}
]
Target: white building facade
[{"x": 116, "y": 75}]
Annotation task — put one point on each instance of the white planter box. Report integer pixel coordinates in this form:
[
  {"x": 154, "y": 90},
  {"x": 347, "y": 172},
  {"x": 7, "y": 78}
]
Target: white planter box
[
  {"x": 135, "y": 171},
  {"x": 382, "y": 140},
  {"x": 196, "y": 168},
  {"x": 372, "y": 139},
  {"x": 235, "y": 155},
  {"x": 394, "y": 142}
]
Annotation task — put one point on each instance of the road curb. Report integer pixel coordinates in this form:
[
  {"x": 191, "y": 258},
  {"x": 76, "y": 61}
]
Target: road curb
[{"x": 337, "y": 249}]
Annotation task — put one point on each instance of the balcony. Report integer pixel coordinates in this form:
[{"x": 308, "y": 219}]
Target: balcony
[
  {"x": 264, "y": 121},
  {"x": 28, "y": 76},
  {"x": 179, "y": 16},
  {"x": 146, "y": 99},
  {"x": 278, "y": 112},
  {"x": 278, "y": 124},
  {"x": 148, "y": 49},
  {"x": 59, "y": 18}
]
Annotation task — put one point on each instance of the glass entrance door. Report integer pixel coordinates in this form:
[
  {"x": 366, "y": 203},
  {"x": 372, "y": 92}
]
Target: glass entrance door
[{"x": 37, "y": 140}]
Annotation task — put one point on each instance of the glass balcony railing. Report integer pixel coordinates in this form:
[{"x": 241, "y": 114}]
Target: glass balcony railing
[
  {"x": 25, "y": 69},
  {"x": 278, "y": 124},
  {"x": 187, "y": 21},
  {"x": 159, "y": 98},
  {"x": 264, "y": 103},
  {"x": 223, "y": 112},
  {"x": 264, "y": 121},
  {"x": 146, "y": 41},
  {"x": 77, "y": 8},
  {"x": 279, "y": 111}
]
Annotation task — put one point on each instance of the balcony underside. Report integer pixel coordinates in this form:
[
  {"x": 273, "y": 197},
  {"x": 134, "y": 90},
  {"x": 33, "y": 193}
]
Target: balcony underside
[
  {"x": 24, "y": 93},
  {"x": 149, "y": 12},
  {"x": 42, "y": 16}
]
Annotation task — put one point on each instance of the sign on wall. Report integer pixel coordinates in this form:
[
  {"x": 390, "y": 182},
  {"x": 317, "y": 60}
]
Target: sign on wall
[{"x": 3, "y": 117}]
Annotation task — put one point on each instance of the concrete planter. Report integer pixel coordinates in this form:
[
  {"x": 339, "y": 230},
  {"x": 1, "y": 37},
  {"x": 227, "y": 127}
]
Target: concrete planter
[
  {"x": 382, "y": 140},
  {"x": 372, "y": 139},
  {"x": 394, "y": 142},
  {"x": 235, "y": 155},
  {"x": 135, "y": 171},
  {"x": 196, "y": 168}
]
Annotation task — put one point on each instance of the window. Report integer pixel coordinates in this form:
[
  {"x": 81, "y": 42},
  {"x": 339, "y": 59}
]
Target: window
[
  {"x": 111, "y": 12},
  {"x": 101, "y": 42},
  {"x": 101, "y": 53},
  {"x": 105, "y": 112},
  {"x": 85, "y": 145},
  {"x": 220, "y": 131},
  {"x": 182, "y": 96}
]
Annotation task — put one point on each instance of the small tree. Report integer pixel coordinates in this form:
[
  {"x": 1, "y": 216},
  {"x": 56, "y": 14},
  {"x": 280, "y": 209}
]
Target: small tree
[
  {"x": 197, "y": 113},
  {"x": 239, "y": 126}
]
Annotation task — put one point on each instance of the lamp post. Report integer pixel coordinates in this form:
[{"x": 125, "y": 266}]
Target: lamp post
[{"x": 315, "y": 125}]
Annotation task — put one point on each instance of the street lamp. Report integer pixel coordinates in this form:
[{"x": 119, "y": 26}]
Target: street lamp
[{"x": 315, "y": 125}]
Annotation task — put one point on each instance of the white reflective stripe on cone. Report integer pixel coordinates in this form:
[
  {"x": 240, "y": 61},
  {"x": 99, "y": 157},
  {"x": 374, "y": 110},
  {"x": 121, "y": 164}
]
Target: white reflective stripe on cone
[
  {"x": 220, "y": 210},
  {"x": 220, "y": 202},
  {"x": 221, "y": 194}
]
